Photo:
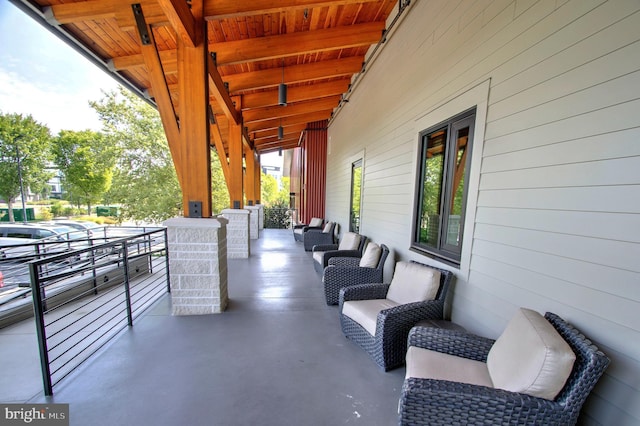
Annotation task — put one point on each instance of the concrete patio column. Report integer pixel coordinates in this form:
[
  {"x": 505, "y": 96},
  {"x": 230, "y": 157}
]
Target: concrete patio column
[
  {"x": 237, "y": 233},
  {"x": 260, "y": 216},
  {"x": 197, "y": 265},
  {"x": 254, "y": 231}
]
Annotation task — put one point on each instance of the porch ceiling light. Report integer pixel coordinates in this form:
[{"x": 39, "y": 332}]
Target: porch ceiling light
[
  {"x": 282, "y": 90},
  {"x": 280, "y": 132}
]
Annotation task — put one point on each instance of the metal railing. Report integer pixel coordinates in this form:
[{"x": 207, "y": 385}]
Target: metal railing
[{"x": 86, "y": 295}]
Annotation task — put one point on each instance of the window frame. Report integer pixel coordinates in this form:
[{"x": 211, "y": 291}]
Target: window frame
[{"x": 447, "y": 253}]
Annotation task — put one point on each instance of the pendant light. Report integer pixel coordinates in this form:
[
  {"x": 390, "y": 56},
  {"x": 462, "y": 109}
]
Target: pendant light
[
  {"x": 282, "y": 89},
  {"x": 280, "y": 131}
]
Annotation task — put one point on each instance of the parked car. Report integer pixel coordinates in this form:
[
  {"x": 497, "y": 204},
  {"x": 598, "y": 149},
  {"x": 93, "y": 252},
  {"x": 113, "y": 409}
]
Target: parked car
[{"x": 86, "y": 226}]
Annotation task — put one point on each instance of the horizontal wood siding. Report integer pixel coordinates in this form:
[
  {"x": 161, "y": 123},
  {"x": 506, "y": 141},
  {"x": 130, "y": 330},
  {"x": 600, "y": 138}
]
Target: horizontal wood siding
[{"x": 555, "y": 212}]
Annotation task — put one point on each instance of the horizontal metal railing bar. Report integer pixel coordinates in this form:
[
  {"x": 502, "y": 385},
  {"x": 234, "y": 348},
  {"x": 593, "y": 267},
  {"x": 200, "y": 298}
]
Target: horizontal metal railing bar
[
  {"x": 115, "y": 297},
  {"x": 83, "y": 339},
  {"x": 89, "y": 293}
]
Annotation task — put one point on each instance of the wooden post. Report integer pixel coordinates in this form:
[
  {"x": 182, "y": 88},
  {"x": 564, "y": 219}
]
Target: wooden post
[{"x": 236, "y": 172}]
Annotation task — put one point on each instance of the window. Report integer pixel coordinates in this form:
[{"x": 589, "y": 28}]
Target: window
[
  {"x": 445, "y": 153},
  {"x": 356, "y": 202}
]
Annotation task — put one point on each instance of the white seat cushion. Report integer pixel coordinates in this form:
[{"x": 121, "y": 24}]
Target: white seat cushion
[
  {"x": 318, "y": 256},
  {"x": 428, "y": 364},
  {"x": 530, "y": 357},
  {"x": 413, "y": 282},
  {"x": 297, "y": 231},
  {"x": 350, "y": 241},
  {"x": 365, "y": 312},
  {"x": 371, "y": 256}
]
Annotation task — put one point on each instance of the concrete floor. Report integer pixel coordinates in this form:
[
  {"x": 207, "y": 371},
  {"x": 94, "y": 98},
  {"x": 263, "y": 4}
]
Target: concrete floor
[{"x": 276, "y": 357}]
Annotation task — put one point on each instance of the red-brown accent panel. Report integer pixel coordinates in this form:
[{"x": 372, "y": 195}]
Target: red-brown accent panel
[{"x": 315, "y": 170}]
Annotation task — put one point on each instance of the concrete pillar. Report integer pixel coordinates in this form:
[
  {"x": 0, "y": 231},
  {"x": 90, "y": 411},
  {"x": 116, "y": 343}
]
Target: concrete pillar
[
  {"x": 197, "y": 265},
  {"x": 237, "y": 233},
  {"x": 260, "y": 216},
  {"x": 254, "y": 231}
]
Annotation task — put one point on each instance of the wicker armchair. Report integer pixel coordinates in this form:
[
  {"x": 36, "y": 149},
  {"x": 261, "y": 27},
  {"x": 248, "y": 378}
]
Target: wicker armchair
[
  {"x": 326, "y": 235},
  {"x": 300, "y": 229},
  {"x": 351, "y": 245},
  {"x": 346, "y": 272},
  {"x": 437, "y": 402},
  {"x": 384, "y": 337}
]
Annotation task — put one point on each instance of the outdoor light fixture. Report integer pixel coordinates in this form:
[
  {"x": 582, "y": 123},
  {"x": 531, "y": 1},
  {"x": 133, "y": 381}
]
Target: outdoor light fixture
[
  {"x": 282, "y": 90},
  {"x": 280, "y": 132}
]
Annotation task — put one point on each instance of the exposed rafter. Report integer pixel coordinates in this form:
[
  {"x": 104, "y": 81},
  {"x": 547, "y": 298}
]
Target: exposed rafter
[{"x": 315, "y": 46}]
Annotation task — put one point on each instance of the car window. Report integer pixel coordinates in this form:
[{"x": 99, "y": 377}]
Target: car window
[
  {"x": 43, "y": 233},
  {"x": 19, "y": 233}
]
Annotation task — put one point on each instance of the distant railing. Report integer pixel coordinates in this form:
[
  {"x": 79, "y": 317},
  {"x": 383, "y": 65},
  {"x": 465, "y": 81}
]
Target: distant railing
[{"x": 85, "y": 296}]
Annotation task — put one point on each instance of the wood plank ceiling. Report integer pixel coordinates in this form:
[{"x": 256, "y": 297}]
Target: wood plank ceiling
[{"x": 314, "y": 46}]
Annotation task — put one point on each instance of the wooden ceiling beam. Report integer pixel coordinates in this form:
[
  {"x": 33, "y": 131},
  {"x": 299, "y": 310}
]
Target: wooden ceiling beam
[
  {"x": 241, "y": 82},
  {"x": 261, "y": 114},
  {"x": 182, "y": 21},
  {"x": 261, "y": 48},
  {"x": 259, "y": 135},
  {"x": 223, "y": 9},
  {"x": 289, "y": 143},
  {"x": 296, "y": 93},
  {"x": 71, "y": 13},
  {"x": 218, "y": 90},
  {"x": 287, "y": 121},
  {"x": 169, "y": 59},
  {"x": 297, "y": 43}
]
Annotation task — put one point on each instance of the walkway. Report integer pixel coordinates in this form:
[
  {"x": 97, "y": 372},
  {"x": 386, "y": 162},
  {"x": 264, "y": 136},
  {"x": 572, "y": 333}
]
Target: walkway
[{"x": 276, "y": 357}]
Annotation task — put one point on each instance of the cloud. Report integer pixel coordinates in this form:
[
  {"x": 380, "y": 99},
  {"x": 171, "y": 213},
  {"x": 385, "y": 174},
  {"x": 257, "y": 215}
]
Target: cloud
[
  {"x": 57, "y": 107},
  {"x": 43, "y": 77}
]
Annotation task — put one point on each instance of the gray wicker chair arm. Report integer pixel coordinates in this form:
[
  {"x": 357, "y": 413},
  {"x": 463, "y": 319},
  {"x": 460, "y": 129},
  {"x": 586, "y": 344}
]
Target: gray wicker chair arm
[
  {"x": 338, "y": 277},
  {"x": 438, "y": 402},
  {"x": 452, "y": 342},
  {"x": 330, "y": 254},
  {"x": 364, "y": 292},
  {"x": 344, "y": 261},
  {"x": 325, "y": 247},
  {"x": 315, "y": 237}
]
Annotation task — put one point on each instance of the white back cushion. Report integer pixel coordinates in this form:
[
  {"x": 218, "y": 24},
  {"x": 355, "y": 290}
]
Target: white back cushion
[
  {"x": 327, "y": 227},
  {"x": 530, "y": 357},
  {"x": 315, "y": 221},
  {"x": 350, "y": 241},
  {"x": 413, "y": 282},
  {"x": 371, "y": 256}
]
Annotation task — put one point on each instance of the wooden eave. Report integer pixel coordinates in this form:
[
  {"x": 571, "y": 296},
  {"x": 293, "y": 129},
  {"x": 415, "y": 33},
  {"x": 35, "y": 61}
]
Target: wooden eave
[{"x": 313, "y": 46}]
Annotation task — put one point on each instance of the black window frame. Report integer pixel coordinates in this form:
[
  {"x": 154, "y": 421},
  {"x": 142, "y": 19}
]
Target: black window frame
[{"x": 450, "y": 254}]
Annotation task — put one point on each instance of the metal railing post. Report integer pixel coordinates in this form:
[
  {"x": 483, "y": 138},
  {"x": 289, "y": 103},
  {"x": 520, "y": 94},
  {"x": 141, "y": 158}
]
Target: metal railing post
[
  {"x": 127, "y": 289},
  {"x": 166, "y": 259},
  {"x": 38, "y": 309}
]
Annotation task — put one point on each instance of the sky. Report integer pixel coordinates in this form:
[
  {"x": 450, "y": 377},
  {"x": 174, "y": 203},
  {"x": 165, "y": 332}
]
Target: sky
[{"x": 43, "y": 77}]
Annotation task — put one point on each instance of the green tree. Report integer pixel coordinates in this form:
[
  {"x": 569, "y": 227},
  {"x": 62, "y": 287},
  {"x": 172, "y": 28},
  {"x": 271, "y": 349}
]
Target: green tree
[
  {"x": 86, "y": 163},
  {"x": 25, "y": 143},
  {"x": 219, "y": 190},
  {"x": 144, "y": 181},
  {"x": 274, "y": 191}
]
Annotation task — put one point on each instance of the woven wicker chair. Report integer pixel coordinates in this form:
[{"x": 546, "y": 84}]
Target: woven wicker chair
[
  {"x": 439, "y": 402},
  {"x": 344, "y": 272},
  {"x": 351, "y": 245},
  {"x": 388, "y": 346},
  {"x": 300, "y": 229},
  {"x": 326, "y": 235}
]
